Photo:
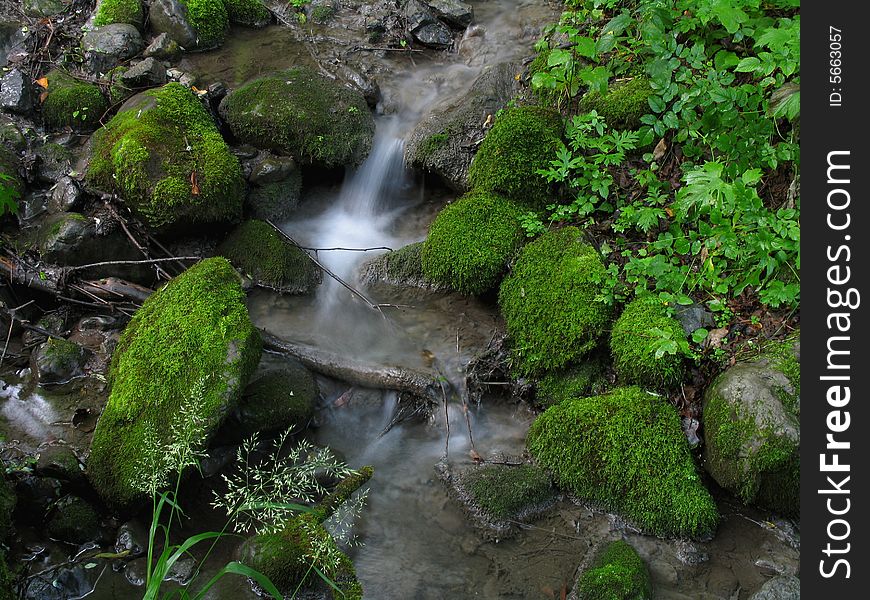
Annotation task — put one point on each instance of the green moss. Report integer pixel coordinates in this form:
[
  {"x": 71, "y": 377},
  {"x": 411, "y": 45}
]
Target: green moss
[
  {"x": 548, "y": 302},
  {"x": 782, "y": 356},
  {"x": 623, "y": 105},
  {"x": 63, "y": 353},
  {"x": 625, "y": 451},
  {"x": 9, "y": 168},
  {"x": 167, "y": 160},
  {"x": 302, "y": 114},
  {"x": 191, "y": 345},
  {"x": 433, "y": 143},
  {"x": 72, "y": 103},
  {"x": 247, "y": 12},
  {"x": 584, "y": 379},
  {"x": 7, "y": 506},
  {"x": 402, "y": 267},
  {"x": 322, "y": 14},
  {"x": 619, "y": 574},
  {"x": 547, "y": 96},
  {"x": 119, "y": 11},
  {"x": 74, "y": 521},
  {"x": 633, "y": 343},
  {"x": 521, "y": 141},
  {"x": 277, "y": 400},
  {"x": 118, "y": 92},
  {"x": 471, "y": 242},
  {"x": 209, "y": 19},
  {"x": 504, "y": 492},
  {"x": 257, "y": 249}
]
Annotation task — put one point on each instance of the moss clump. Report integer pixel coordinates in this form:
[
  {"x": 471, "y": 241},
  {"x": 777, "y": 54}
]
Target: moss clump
[
  {"x": 633, "y": 342},
  {"x": 784, "y": 357},
  {"x": 547, "y": 96},
  {"x": 402, "y": 267},
  {"x": 504, "y": 492},
  {"x": 60, "y": 357},
  {"x": 75, "y": 521},
  {"x": 618, "y": 574},
  {"x": 277, "y": 400},
  {"x": 165, "y": 157},
  {"x": 72, "y": 103},
  {"x": 119, "y": 11},
  {"x": 626, "y": 452},
  {"x": 584, "y": 379},
  {"x": 433, "y": 144},
  {"x": 522, "y": 140},
  {"x": 180, "y": 363},
  {"x": 623, "y": 105},
  {"x": 471, "y": 242},
  {"x": 322, "y": 13},
  {"x": 302, "y": 114},
  {"x": 256, "y": 249},
  {"x": 209, "y": 19},
  {"x": 548, "y": 302},
  {"x": 248, "y": 12}
]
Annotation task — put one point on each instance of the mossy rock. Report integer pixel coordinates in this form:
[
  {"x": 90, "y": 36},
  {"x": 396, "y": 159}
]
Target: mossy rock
[
  {"x": 275, "y": 201},
  {"x": 618, "y": 574},
  {"x": 58, "y": 361},
  {"x": 521, "y": 141},
  {"x": 548, "y": 302},
  {"x": 402, "y": 267},
  {"x": 194, "y": 24},
  {"x": 165, "y": 157},
  {"x": 119, "y": 11},
  {"x": 472, "y": 241},
  {"x": 625, "y": 452},
  {"x": 7, "y": 580},
  {"x": 751, "y": 418},
  {"x": 276, "y": 400},
  {"x": 623, "y": 105},
  {"x": 7, "y": 507},
  {"x": 256, "y": 249},
  {"x": 507, "y": 491},
  {"x": 177, "y": 371},
  {"x": 250, "y": 13},
  {"x": 633, "y": 342},
  {"x": 302, "y": 114},
  {"x": 547, "y": 96},
  {"x": 72, "y": 103},
  {"x": 74, "y": 521},
  {"x": 584, "y": 379}
]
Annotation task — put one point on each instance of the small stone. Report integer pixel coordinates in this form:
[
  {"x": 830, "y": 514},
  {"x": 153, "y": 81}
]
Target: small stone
[
  {"x": 65, "y": 196},
  {"x": 689, "y": 554},
  {"x": 16, "y": 92},
  {"x": 43, "y": 8},
  {"x": 59, "y": 361},
  {"x": 131, "y": 538},
  {"x": 60, "y": 462},
  {"x": 785, "y": 587},
  {"x": 163, "y": 48},
  {"x": 147, "y": 73},
  {"x": 74, "y": 521},
  {"x": 454, "y": 13},
  {"x": 106, "y": 47}
]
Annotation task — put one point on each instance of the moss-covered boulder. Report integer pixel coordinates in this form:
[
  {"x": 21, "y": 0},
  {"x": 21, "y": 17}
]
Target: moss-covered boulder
[
  {"x": 75, "y": 521},
  {"x": 119, "y": 11},
  {"x": 635, "y": 342},
  {"x": 472, "y": 241},
  {"x": 276, "y": 400},
  {"x": 548, "y": 302},
  {"x": 302, "y": 114},
  {"x": 619, "y": 573},
  {"x": 165, "y": 157},
  {"x": 625, "y": 452},
  {"x": 72, "y": 103},
  {"x": 58, "y": 361},
  {"x": 584, "y": 379},
  {"x": 250, "y": 13},
  {"x": 194, "y": 24},
  {"x": 623, "y": 105},
  {"x": 506, "y": 491},
  {"x": 402, "y": 267},
  {"x": 521, "y": 141},
  {"x": 257, "y": 250},
  {"x": 751, "y": 418},
  {"x": 177, "y": 371}
]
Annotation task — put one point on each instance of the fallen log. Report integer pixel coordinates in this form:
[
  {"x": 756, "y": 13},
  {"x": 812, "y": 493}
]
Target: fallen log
[{"x": 424, "y": 385}]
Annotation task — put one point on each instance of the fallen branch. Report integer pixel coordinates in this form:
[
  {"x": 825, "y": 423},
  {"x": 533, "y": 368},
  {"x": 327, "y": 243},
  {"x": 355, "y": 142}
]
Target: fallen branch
[
  {"x": 420, "y": 384},
  {"x": 149, "y": 261}
]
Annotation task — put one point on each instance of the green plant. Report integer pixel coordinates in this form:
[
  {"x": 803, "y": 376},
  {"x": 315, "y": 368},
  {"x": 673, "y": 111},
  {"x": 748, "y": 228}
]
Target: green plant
[
  {"x": 8, "y": 195},
  {"x": 618, "y": 574}
]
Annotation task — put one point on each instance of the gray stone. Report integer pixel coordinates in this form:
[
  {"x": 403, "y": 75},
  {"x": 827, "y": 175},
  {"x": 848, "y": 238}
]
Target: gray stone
[
  {"x": 401, "y": 268},
  {"x": 60, "y": 462},
  {"x": 44, "y": 8},
  {"x": 59, "y": 361},
  {"x": 443, "y": 142},
  {"x": 171, "y": 17},
  {"x": 454, "y": 13},
  {"x": 11, "y": 136},
  {"x": 787, "y": 587},
  {"x": 269, "y": 168},
  {"x": 425, "y": 26},
  {"x": 106, "y": 47},
  {"x": 147, "y": 73},
  {"x": 55, "y": 161},
  {"x": 163, "y": 47},
  {"x": 11, "y": 40},
  {"x": 66, "y": 195},
  {"x": 132, "y": 538},
  {"x": 16, "y": 92},
  {"x": 694, "y": 317},
  {"x": 62, "y": 234}
]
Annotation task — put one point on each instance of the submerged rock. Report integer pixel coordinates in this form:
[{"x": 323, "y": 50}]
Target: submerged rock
[
  {"x": 178, "y": 370},
  {"x": 250, "y": 13},
  {"x": 784, "y": 587},
  {"x": 751, "y": 416},
  {"x": 74, "y": 521}
]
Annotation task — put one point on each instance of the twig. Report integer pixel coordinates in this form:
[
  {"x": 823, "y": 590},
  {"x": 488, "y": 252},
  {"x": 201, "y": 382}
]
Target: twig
[
  {"x": 131, "y": 262},
  {"x": 385, "y": 49},
  {"x": 347, "y": 249},
  {"x": 132, "y": 238}
]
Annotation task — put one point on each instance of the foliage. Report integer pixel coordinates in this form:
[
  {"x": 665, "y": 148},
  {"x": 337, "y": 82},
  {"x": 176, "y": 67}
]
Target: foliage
[
  {"x": 519, "y": 143},
  {"x": 119, "y": 11},
  {"x": 471, "y": 242},
  {"x": 8, "y": 194},
  {"x": 548, "y": 302},
  {"x": 648, "y": 345},
  {"x": 619, "y": 574},
  {"x": 626, "y": 452},
  {"x": 247, "y": 12},
  {"x": 166, "y": 158}
]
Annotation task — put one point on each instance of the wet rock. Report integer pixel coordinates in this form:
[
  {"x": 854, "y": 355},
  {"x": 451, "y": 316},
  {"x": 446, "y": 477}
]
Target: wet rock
[
  {"x": 443, "y": 143},
  {"x": 76, "y": 581},
  {"x": 402, "y": 267},
  {"x": 169, "y": 17},
  {"x": 135, "y": 571},
  {"x": 43, "y": 8},
  {"x": 361, "y": 82},
  {"x": 36, "y": 495},
  {"x": 16, "y": 92},
  {"x": 425, "y": 26},
  {"x": 97, "y": 323},
  {"x": 694, "y": 317},
  {"x": 61, "y": 234},
  {"x": 322, "y": 11},
  {"x": 11, "y": 136},
  {"x": 779, "y": 588},
  {"x": 59, "y": 361},
  {"x": 11, "y": 40},
  {"x": 60, "y": 462},
  {"x": 690, "y": 554},
  {"x": 55, "y": 322},
  {"x": 163, "y": 47},
  {"x": 131, "y": 538},
  {"x": 54, "y": 161},
  {"x": 106, "y": 47},
  {"x": 200, "y": 30},
  {"x": 146, "y": 73},
  {"x": 269, "y": 168},
  {"x": 65, "y": 196},
  {"x": 454, "y": 13},
  {"x": 751, "y": 416},
  {"x": 74, "y": 521},
  {"x": 181, "y": 571}
]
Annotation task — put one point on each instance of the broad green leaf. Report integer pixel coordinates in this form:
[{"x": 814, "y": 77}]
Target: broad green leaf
[
  {"x": 725, "y": 59},
  {"x": 749, "y": 64}
]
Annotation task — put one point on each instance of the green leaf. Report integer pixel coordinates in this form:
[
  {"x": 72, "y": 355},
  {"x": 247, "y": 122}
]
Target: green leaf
[
  {"x": 751, "y": 176},
  {"x": 724, "y": 60},
  {"x": 585, "y": 46},
  {"x": 750, "y": 64},
  {"x": 729, "y": 15},
  {"x": 596, "y": 78},
  {"x": 790, "y": 107},
  {"x": 656, "y": 103},
  {"x": 699, "y": 335}
]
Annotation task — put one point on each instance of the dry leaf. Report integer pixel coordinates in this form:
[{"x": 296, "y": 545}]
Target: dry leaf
[
  {"x": 715, "y": 337},
  {"x": 194, "y": 186},
  {"x": 669, "y": 211},
  {"x": 475, "y": 456},
  {"x": 660, "y": 150},
  {"x": 42, "y": 82},
  {"x": 42, "y": 97}
]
